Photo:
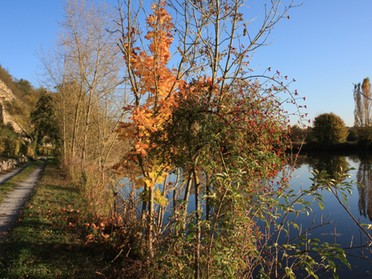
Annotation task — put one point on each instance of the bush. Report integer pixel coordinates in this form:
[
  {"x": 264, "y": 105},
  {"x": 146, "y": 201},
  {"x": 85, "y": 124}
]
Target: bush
[{"x": 12, "y": 147}]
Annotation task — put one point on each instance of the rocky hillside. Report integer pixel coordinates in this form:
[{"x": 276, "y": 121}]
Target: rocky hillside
[
  {"x": 7, "y": 97},
  {"x": 17, "y": 100}
]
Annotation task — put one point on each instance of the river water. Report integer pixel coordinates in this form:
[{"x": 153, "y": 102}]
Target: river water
[{"x": 342, "y": 229}]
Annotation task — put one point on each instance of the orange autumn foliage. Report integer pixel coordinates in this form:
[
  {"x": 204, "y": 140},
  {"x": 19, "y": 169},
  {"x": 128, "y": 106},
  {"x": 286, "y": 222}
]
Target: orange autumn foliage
[{"x": 156, "y": 83}]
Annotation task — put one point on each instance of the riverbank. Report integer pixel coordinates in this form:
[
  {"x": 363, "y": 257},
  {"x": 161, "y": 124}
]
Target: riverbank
[{"x": 49, "y": 239}]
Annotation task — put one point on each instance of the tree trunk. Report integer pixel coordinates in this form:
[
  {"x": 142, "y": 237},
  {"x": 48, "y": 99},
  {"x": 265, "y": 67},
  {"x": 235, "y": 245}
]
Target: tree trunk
[
  {"x": 197, "y": 225},
  {"x": 150, "y": 222},
  {"x": 186, "y": 201},
  {"x": 86, "y": 129},
  {"x": 75, "y": 124}
]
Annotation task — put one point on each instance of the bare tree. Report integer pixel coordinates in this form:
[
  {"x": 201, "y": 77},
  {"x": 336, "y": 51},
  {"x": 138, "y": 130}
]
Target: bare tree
[
  {"x": 358, "y": 112},
  {"x": 86, "y": 74},
  {"x": 363, "y": 99},
  {"x": 367, "y": 98},
  {"x": 363, "y": 110}
]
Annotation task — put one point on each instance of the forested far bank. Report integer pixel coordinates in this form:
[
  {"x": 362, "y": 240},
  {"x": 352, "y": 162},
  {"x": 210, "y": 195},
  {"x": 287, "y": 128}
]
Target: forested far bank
[{"x": 329, "y": 133}]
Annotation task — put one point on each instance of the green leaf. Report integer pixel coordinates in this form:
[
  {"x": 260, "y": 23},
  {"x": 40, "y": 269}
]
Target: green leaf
[
  {"x": 321, "y": 205},
  {"x": 289, "y": 272}
]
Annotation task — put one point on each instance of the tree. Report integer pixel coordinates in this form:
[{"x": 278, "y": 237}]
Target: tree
[
  {"x": 363, "y": 110},
  {"x": 85, "y": 72},
  {"x": 329, "y": 129},
  {"x": 90, "y": 61},
  {"x": 150, "y": 78},
  {"x": 25, "y": 86},
  {"x": 44, "y": 120}
]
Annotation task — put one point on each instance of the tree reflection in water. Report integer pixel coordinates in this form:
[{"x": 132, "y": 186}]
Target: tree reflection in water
[
  {"x": 356, "y": 240},
  {"x": 364, "y": 179},
  {"x": 334, "y": 166}
]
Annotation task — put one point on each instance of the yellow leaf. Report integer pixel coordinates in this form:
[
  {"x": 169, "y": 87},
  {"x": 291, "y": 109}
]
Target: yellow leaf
[{"x": 159, "y": 198}]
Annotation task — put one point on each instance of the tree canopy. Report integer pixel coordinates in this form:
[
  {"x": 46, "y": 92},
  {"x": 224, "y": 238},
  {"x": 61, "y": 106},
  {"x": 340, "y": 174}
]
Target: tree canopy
[
  {"x": 44, "y": 120},
  {"x": 329, "y": 129}
]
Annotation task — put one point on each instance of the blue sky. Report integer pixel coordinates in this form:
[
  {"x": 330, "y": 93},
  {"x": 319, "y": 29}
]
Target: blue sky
[
  {"x": 326, "y": 46},
  {"x": 27, "y": 27}
]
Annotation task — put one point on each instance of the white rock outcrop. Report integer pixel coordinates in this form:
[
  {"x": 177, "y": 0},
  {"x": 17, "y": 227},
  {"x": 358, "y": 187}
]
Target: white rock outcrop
[{"x": 6, "y": 95}]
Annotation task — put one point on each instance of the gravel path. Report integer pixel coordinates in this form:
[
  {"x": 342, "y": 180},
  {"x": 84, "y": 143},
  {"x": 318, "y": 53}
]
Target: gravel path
[
  {"x": 13, "y": 202},
  {"x": 6, "y": 176}
]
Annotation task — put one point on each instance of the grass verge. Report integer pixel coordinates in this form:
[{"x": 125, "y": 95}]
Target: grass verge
[{"x": 48, "y": 240}]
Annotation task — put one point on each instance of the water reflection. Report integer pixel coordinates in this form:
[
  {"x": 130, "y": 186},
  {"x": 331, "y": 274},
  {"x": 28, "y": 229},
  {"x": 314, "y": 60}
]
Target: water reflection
[
  {"x": 337, "y": 166},
  {"x": 343, "y": 230},
  {"x": 364, "y": 179},
  {"x": 334, "y": 166}
]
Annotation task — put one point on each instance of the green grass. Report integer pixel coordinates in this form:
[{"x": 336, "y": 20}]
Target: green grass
[
  {"x": 10, "y": 184},
  {"x": 48, "y": 241}
]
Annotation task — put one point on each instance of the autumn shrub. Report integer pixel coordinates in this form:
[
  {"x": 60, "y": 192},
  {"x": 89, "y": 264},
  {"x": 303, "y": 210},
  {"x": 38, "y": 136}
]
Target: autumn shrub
[
  {"x": 210, "y": 141},
  {"x": 204, "y": 179},
  {"x": 99, "y": 190}
]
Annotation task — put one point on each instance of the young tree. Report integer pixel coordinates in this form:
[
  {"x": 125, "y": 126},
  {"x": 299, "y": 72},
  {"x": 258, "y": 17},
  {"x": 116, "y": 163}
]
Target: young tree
[
  {"x": 91, "y": 62},
  {"x": 150, "y": 78}
]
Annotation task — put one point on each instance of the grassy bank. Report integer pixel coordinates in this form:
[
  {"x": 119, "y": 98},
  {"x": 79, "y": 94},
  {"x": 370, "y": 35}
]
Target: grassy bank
[{"x": 49, "y": 240}]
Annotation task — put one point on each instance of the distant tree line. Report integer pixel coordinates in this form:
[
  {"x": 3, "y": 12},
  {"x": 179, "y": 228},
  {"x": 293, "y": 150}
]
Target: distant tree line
[{"x": 329, "y": 129}]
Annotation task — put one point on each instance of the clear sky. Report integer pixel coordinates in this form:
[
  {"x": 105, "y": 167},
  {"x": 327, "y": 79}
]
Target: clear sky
[{"x": 326, "y": 46}]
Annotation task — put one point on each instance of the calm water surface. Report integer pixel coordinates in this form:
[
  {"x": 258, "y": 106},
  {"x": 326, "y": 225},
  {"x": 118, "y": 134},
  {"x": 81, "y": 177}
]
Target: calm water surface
[{"x": 343, "y": 229}]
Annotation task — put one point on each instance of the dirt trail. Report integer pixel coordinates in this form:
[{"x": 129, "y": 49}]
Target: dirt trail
[
  {"x": 11, "y": 206},
  {"x": 6, "y": 176}
]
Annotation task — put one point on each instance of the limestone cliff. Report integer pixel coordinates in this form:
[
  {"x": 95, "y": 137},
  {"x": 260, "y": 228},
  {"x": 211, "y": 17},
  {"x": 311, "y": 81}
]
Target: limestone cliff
[{"x": 7, "y": 96}]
